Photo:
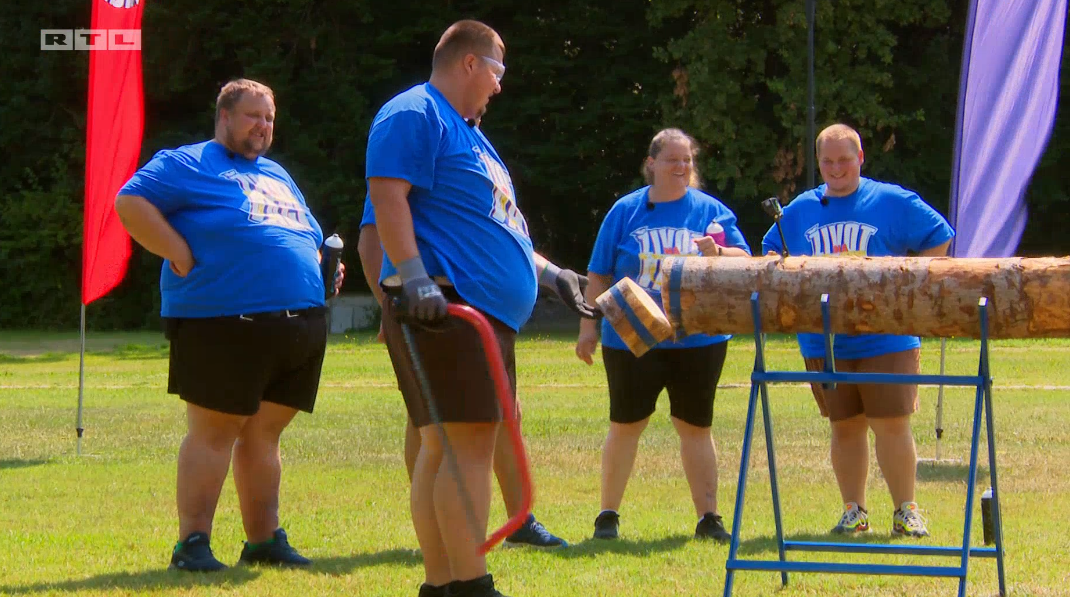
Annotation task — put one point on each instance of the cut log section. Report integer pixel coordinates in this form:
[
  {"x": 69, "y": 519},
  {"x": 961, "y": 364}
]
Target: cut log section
[
  {"x": 919, "y": 296},
  {"x": 635, "y": 316}
]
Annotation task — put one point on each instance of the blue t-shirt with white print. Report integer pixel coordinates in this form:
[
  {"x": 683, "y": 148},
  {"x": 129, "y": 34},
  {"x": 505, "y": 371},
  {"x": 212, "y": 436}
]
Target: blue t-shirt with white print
[
  {"x": 253, "y": 238},
  {"x": 877, "y": 220},
  {"x": 465, "y": 216},
  {"x": 368, "y": 218},
  {"x": 633, "y": 240}
]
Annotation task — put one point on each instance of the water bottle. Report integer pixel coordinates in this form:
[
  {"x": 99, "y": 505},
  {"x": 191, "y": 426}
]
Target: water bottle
[
  {"x": 329, "y": 264},
  {"x": 716, "y": 232},
  {"x": 986, "y": 517}
]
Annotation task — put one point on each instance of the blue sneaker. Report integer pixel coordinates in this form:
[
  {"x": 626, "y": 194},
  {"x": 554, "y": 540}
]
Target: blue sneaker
[
  {"x": 535, "y": 535},
  {"x": 194, "y": 554},
  {"x": 274, "y": 552}
]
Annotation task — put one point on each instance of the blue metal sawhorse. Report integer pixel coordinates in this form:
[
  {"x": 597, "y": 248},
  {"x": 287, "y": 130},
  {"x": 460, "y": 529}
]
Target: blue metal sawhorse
[{"x": 829, "y": 378}]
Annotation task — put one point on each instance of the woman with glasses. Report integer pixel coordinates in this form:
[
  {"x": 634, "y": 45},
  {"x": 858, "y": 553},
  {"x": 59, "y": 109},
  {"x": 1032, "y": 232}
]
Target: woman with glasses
[{"x": 669, "y": 216}]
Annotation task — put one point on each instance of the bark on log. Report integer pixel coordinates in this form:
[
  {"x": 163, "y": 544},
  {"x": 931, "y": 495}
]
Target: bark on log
[
  {"x": 635, "y": 316},
  {"x": 920, "y": 296}
]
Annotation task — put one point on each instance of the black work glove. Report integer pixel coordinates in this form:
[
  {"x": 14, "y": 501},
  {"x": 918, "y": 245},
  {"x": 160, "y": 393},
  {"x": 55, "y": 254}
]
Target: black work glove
[
  {"x": 422, "y": 300},
  {"x": 569, "y": 287}
]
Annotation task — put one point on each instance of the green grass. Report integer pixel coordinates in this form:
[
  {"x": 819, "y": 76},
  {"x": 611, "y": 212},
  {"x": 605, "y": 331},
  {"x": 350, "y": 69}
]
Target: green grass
[{"x": 103, "y": 523}]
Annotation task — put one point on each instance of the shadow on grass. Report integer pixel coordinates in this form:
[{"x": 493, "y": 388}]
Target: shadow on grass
[
  {"x": 48, "y": 357},
  {"x": 135, "y": 352},
  {"x": 592, "y": 547},
  {"x": 14, "y": 463},
  {"x": 154, "y": 580},
  {"x": 341, "y": 565},
  {"x": 137, "y": 582},
  {"x": 950, "y": 472}
]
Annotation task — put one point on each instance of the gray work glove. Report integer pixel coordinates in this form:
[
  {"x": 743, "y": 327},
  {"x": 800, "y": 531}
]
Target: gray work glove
[{"x": 422, "y": 300}]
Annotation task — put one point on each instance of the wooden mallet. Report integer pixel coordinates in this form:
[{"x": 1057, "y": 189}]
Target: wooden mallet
[{"x": 635, "y": 316}]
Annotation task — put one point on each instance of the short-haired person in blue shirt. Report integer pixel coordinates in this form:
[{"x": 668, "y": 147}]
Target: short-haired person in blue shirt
[
  {"x": 243, "y": 300},
  {"x": 670, "y": 216},
  {"x": 852, "y": 215},
  {"x": 450, "y": 227},
  {"x": 532, "y": 533}
]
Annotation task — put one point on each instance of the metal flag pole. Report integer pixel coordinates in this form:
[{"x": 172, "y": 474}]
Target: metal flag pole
[
  {"x": 81, "y": 385},
  {"x": 940, "y": 400},
  {"x": 811, "y": 177}
]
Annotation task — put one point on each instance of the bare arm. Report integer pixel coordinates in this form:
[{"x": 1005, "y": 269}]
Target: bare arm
[
  {"x": 545, "y": 270},
  {"x": 151, "y": 230},
  {"x": 393, "y": 219},
  {"x": 596, "y": 285},
  {"x": 937, "y": 251},
  {"x": 371, "y": 259},
  {"x": 710, "y": 248},
  {"x": 588, "y": 339},
  {"x": 566, "y": 284}
]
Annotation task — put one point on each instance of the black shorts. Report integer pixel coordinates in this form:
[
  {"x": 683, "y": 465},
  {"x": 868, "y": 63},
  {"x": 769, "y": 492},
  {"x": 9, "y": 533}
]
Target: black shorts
[
  {"x": 456, "y": 366},
  {"x": 689, "y": 374},
  {"x": 231, "y": 364}
]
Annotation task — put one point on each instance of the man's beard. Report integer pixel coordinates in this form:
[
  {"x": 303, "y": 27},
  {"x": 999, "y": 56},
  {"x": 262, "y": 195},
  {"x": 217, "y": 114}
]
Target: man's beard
[{"x": 246, "y": 146}]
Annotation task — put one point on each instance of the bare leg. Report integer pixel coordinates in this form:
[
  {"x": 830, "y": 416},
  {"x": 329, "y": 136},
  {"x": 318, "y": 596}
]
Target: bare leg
[
  {"x": 850, "y": 458},
  {"x": 203, "y": 460},
  {"x": 618, "y": 458},
  {"x": 897, "y": 456},
  {"x": 422, "y": 505},
  {"x": 258, "y": 470},
  {"x": 699, "y": 458},
  {"x": 473, "y": 445}
]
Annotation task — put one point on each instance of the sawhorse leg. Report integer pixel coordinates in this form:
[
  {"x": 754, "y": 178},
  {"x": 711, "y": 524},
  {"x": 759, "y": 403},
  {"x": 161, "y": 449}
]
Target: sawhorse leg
[{"x": 744, "y": 464}]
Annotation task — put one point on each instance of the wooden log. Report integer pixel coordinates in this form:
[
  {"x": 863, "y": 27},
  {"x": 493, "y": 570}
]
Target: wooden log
[
  {"x": 920, "y": 296},
  {"x": 634, "y": 315}
]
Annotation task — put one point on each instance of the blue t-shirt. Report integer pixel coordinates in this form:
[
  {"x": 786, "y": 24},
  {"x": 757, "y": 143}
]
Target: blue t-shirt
[
  {"x": 633, "y": 240},
  {"x": 878, "y": 220},
  {"x": 253, "y": 238},
  {"x": 368, "y": 218},
  {"x": 464, "y": 212}
]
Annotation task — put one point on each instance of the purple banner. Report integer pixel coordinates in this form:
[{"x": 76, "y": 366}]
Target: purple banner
[{"x": 1007, "y": 101}]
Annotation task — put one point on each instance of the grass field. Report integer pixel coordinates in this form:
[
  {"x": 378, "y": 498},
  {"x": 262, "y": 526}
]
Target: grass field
[{"x": 103, "y": 523}]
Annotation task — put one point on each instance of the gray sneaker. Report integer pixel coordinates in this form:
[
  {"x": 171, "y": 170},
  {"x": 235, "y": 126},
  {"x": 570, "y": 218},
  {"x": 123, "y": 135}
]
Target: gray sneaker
[{"x": 607, "y": 525}]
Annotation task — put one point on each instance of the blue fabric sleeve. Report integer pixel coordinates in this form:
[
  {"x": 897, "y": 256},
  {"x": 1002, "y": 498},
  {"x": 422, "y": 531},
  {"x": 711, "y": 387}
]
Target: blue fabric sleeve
[
  {"x": 368, "y": 219},
  {"x": 732, "y": 234},
  {"x": 603, "y": 255},
  {"x": 154, "y": 182},
  {"x": 404, "y": 145},
  {"x": 922, "y": 227},
  {"x": 771, "y": 241}
]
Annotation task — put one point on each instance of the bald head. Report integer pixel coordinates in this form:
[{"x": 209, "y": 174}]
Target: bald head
[{"x": 463, "y": 38}]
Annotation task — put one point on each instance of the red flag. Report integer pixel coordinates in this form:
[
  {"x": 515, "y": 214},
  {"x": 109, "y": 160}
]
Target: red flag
[{"x": 113, "y": 140}]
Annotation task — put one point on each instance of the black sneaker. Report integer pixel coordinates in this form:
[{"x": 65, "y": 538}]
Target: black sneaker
[
  {"x": 274, "y": 552},
  {"x": 195, "y": 555},
  {"x": 477, "y": 587},
  {"x": 711, "y": 526},
  {"x": 427, "y": 590},
  {"x": 606, "y": 526},
  {"x": 535, "y": 535}
]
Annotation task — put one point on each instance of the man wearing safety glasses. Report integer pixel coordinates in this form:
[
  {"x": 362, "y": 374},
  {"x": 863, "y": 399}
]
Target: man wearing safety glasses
[{"x": 448, "y": 221}]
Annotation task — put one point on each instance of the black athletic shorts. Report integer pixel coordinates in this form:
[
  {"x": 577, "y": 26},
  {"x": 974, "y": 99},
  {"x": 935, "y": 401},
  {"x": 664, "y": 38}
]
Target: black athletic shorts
[
  {"x": 452, "y": 357},
  {"x": 689, "y": 374},
  {"x": 231, "y": 364}
]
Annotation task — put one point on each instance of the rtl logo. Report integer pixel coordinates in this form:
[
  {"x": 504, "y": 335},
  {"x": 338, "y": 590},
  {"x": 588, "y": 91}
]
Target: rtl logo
[{"x": 91, "y": 39}]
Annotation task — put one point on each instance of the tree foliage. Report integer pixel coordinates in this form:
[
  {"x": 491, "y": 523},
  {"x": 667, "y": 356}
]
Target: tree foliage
[{"x": 588, "y": 83}]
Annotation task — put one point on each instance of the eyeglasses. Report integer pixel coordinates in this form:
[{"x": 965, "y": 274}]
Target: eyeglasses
[{"x": 496, "y": 67}]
